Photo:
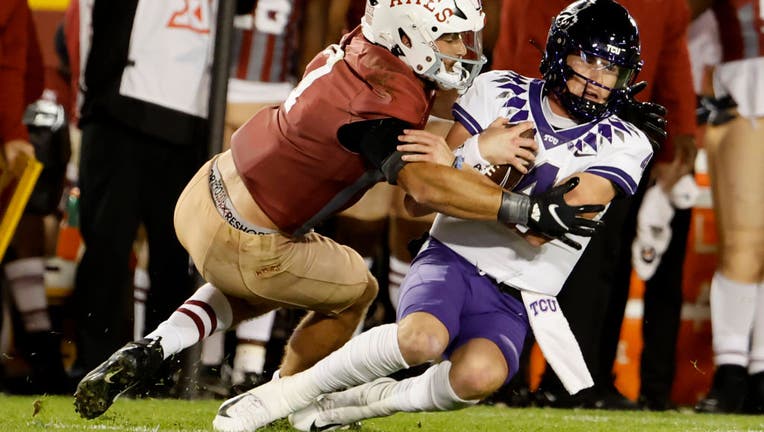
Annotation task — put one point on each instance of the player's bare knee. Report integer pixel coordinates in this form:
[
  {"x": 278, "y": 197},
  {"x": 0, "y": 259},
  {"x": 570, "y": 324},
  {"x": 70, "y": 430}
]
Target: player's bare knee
[
  {"x": 420, "y": 341},
  {"x": 477, "y": 380},
  {"x": 743, "y": 263},
  {"x": 419, "y": 346}
]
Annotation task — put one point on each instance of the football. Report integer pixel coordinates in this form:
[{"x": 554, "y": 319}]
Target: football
[{"x": 505, "y": 175}]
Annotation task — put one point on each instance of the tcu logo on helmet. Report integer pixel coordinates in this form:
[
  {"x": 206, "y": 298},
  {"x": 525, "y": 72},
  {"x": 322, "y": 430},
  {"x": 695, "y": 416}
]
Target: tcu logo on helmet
[{"x": 614, "y": 49}]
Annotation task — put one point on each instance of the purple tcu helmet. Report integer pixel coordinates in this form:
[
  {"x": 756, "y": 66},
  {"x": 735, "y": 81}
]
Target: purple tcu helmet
[{"x": 600, "y": 31}]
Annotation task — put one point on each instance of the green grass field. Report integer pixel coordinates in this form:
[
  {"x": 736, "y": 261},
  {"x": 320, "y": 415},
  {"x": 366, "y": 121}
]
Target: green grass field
[{"x": 148, "y": 415}]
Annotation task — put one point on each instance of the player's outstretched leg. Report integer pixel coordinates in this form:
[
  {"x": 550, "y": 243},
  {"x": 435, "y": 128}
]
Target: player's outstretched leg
[
  {"x": 334, "y": 410},
  {"x": 370, "y": 355},
  {"x": 130, "y": 365},
  {"x": 431, "y": 391}
]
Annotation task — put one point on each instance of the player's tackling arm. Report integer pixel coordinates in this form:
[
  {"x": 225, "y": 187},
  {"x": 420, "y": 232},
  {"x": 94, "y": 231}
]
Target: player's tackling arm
[
  {"x": 461, "y": 193},
  {"x": 464, "y": 194},
  {"x": 506, "y": 146}
]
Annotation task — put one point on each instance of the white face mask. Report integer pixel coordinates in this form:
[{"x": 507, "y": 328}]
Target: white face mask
[{"x": 411, "y": 29}]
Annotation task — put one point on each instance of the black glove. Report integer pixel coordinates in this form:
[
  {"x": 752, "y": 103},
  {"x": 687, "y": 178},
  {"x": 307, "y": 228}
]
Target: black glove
[
  {"x": 550, "y": 215},
  {"x": 647, "y": 116}
]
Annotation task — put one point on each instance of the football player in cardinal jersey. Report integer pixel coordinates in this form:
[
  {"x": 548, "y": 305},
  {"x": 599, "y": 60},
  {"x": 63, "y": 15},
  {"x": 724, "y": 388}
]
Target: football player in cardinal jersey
[
  {"x": 478, "y": 286},
  {"x": 272, "y": 44},
  {"x": 736, "y": 154},
  {"x": 246, "y": 218}
]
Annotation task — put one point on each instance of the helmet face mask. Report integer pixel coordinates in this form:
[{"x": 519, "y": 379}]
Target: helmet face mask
[
  {"x": 594, "y": 42},
  {"x": 439, "y": 41}
]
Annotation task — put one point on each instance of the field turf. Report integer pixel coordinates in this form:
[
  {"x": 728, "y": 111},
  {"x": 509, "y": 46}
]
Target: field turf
[{"x": 49, "y": 413}]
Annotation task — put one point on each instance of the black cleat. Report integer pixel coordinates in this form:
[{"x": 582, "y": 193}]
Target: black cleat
[
  {"x": 727, "y": 391},
  {"x": 754, "y": 403},
  {"x": 130, "y": 365}
]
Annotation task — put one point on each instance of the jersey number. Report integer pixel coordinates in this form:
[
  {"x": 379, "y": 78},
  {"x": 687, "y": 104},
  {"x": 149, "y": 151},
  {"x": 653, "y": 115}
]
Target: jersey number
[
  {"x": 334, "y": 54},
  {"x": 540, "y": 178}
]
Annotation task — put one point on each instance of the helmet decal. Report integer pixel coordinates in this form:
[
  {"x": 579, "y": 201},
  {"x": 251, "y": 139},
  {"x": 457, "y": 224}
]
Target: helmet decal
[{"x": 410, "y": 29}]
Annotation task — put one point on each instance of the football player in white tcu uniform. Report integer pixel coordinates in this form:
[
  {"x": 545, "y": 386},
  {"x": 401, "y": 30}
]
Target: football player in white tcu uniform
[{"x": 476, "y": 288}]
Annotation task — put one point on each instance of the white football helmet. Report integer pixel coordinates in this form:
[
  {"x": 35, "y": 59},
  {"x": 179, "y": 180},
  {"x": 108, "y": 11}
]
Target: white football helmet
[{"x": 424, "y": 21}]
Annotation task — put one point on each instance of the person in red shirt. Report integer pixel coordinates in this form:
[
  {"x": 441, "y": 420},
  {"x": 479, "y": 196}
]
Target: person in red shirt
[
  {"x": 662, "y": 28},
  {"x": 21, "y": 76},
  {"x": 246, "y": 217}
]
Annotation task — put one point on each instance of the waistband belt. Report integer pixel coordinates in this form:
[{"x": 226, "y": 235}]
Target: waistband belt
[{"x": 225, "y": 207}]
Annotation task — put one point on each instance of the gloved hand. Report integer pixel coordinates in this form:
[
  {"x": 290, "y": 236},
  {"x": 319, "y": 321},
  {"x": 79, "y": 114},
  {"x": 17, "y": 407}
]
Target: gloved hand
[
  {"x": 550, "y": 215},
  {"x": 647, "y": 116}
]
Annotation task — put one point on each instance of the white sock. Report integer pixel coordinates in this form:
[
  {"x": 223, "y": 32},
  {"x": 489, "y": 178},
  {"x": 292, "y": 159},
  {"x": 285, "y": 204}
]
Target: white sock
[
  {"x": 430, "y": 391},
  {"x": 757, "y": 340},
  {"x": 202, "y": 314},
  {"x": 732, "y": 311},
  {"x": 252, "y": 334},
  {"x": 372, "y": 354},
  {"x": 249, "y": 358},
  {"x": 26, "y": 278},
  {"x": 398, "y": 271},
  {"x": 141, "y": 285}
]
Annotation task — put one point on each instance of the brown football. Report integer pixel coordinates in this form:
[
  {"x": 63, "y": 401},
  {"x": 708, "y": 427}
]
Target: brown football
[{"x": 505, "y": 175}]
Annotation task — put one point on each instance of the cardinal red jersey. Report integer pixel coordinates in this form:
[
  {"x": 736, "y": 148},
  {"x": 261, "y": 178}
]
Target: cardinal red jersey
[
  {"x": 289, "y": 156},
  {"x": 266, "y": 40}
]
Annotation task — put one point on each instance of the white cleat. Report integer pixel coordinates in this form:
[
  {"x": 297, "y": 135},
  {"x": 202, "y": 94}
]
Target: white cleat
[
  {"x": 243, "y": 413},
  {"x": 261, "y": 406},
  {"x": 339, "y": 410},
  {"x": 309, "y": 418}
]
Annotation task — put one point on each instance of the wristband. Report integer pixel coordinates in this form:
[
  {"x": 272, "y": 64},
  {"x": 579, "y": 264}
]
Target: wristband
[
  {"x": 514, "y": 208},
  {"x": 470, "y": 152}
]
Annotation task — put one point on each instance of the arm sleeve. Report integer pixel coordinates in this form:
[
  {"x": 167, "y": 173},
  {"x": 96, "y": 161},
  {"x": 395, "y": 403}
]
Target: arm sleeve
[{"x": 376, "y": 141}]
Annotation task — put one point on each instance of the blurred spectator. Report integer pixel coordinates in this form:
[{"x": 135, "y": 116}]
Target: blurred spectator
[
  {"x": 734, "y": 95},
  {"x": 21, "y": 83},
  {"x": 144, "y": 133},
  {"x": 595, "y": 295},
  {"x": 21, "y": 76}
]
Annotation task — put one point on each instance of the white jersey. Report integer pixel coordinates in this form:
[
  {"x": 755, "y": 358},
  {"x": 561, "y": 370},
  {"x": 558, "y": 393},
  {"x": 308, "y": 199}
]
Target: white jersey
[
  {"x": 171, "y": 54},
  {"x": 610, "y": 148}
]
